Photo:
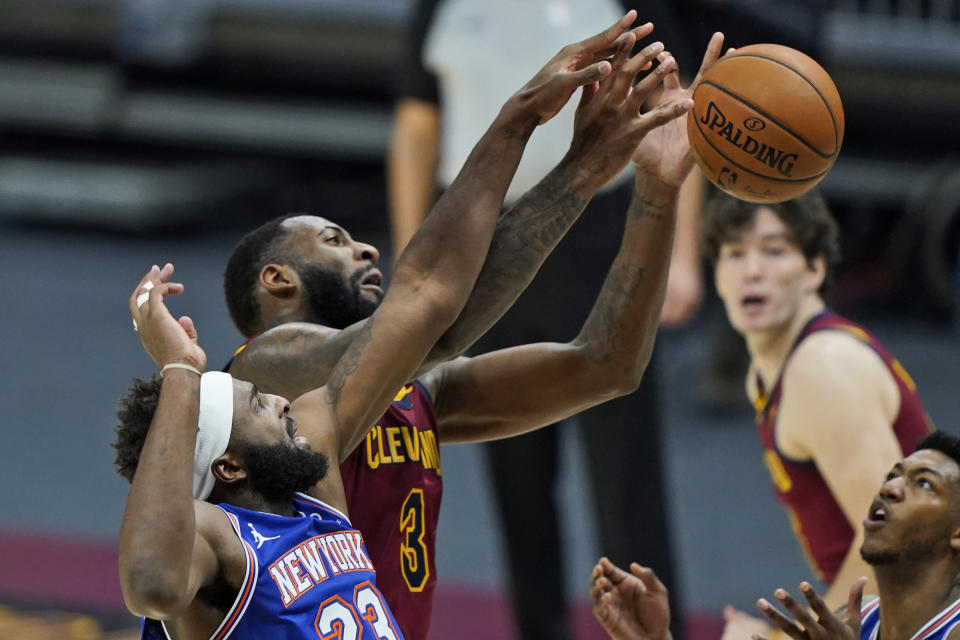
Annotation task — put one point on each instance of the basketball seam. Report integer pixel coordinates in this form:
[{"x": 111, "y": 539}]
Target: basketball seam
[
  {"x": 751, "y": 171},
  {"x": 833, "y": 120}
]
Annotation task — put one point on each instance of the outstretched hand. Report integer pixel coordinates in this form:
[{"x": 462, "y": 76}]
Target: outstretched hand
[
  {"x": 827, "y": 626},
  {"x": 665, "y": 153},
  {"x": 608, "y": 124},
  {"x": 581, "y": 64},
  {"x": 164, "y": 338},
  {"x": 630, "y": 606}
]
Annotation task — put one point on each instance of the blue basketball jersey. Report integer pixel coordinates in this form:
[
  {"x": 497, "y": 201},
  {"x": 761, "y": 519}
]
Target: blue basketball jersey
[
  {"x": 937, "y": 628},
  {"x": 307, "y": 577}
]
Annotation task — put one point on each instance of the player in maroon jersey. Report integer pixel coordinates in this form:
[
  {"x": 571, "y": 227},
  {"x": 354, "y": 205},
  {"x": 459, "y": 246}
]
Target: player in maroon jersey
[
  {"x": 834, "y": 409},
  {"x": 301, "y": 286}
]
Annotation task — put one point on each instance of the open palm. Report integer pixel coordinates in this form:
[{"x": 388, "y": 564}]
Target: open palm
[{"x": 665, "y": 152}]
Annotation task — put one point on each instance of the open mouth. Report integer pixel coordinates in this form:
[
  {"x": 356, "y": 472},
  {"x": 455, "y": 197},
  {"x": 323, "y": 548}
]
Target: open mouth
[
  {"x": 373, "y": 280},
  {"x": 878, "y": 512},
  {"x": 752, "y": 302}
]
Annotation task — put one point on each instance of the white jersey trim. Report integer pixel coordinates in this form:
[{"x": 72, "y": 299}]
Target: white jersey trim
[
  {"x": 251, "y": 575},
  {"x": 306, "y": 498}
]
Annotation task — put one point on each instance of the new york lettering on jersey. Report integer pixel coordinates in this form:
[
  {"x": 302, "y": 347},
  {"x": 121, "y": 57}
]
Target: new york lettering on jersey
[
  {"x": 937, "y": 628},
  {"x": 307, "y": 577},
  {"x": 818, "y": 521},
  {"x": 393, "y": 483}
]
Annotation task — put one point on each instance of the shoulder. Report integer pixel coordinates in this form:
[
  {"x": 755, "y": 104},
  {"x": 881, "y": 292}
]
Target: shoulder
[
  {"x": 433, "y": 380},
  {"x": 213, "y": 524},
  {"x": 284, "y": 334},
  {"x": 832, "y": 361}
]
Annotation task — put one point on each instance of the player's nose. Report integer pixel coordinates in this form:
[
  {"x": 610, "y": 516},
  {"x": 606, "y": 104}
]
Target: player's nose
[{"x": 365, "y": 252}]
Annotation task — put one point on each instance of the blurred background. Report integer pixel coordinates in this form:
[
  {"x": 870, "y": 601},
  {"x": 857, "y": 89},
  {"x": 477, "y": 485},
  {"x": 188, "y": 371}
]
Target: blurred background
[{"x": 135, "y": 132}]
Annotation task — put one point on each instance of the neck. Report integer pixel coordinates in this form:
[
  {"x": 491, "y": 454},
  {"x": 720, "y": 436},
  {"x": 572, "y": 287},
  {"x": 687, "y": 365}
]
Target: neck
[
  {"x": 911, "y": 595},
  {"x": 770, "y": 348},
  {"x": 246, "y": 499}
]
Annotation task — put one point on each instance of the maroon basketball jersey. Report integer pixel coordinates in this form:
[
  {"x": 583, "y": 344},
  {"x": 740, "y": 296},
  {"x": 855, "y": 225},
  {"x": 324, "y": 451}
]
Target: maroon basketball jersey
[
  {"x": 393, "y": 485},
  {"x": 818, "y": 521}
]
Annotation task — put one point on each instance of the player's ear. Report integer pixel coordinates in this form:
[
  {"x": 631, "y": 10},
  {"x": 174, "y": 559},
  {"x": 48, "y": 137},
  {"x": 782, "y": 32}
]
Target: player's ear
[
  {"x": 955, "y": 540},
  {"x": 227, "y": 468},
  {"x": 816, "y": 273},
  {"x": 279, "y": 280}
]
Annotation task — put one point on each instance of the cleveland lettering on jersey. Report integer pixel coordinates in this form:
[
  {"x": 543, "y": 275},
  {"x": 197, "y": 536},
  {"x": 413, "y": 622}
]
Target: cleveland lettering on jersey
[
  {"x": 314, "y": 560},
  {"x": 398, "y": 444}
]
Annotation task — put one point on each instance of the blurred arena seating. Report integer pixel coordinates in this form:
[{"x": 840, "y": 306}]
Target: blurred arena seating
[
  {"x": 163, "y": 109},
  {"x": 897, "y": 65}
]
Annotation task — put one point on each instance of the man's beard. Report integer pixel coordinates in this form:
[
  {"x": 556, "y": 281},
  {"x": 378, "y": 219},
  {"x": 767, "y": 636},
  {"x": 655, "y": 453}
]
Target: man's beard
[
  {"x": 332, "y": 300},
  {"x": 277, "y": 471},
  {"x": 909, "y": 554}
]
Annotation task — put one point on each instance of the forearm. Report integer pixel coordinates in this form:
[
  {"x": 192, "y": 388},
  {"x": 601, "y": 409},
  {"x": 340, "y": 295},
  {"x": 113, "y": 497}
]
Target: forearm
[
  {"x": 686, "y": 245},
  {"x": 154, "y": 560},
  {"x": 411, "y": 168},
  {"x": 525, "y": 235},
  {"x": 443, "y": 259},
  {"x": 620, "y": 331}
]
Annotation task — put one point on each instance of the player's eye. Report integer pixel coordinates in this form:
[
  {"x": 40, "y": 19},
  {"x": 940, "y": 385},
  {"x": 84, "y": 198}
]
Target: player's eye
[
  {"x": 923, "y": 483},
  {"x": 334, "y": 240}
]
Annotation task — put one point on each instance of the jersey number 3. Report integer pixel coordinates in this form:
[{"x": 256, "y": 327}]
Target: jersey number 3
[
  {"x": 413, "y": 551},
  {"x": 338, "y": 619}
]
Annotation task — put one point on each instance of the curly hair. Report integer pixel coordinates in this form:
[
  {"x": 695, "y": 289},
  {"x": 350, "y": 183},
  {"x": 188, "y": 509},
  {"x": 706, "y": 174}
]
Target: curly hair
[
  {"x": 135, "y": 412},
  {"x": 255, "y": 250},
  {"x": 814, "y": 230}
]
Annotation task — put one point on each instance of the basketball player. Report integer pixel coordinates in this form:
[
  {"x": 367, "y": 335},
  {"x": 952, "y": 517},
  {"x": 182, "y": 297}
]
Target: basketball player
[
  {"x": 834, "y": 408},
  {"x": 281, "y": 283},
  {"x": 194, "y": 440},
  {"x": 911, "y": 540},
  {"x": 912, "y": 543}
]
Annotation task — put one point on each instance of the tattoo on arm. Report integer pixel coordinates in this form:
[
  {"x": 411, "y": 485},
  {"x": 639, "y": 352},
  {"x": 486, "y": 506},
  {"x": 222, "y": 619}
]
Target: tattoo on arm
[
  {"x": 348, "y": 363},
  {"x": 641, "y": 207},
  {"x": 603, "y": 330},
  {"x": 524, "y": 237}
]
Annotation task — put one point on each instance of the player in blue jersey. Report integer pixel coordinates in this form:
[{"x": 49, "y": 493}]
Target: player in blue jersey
[
  {"x": 234, "y": 525},
  {"x": 911, "y": 541}
]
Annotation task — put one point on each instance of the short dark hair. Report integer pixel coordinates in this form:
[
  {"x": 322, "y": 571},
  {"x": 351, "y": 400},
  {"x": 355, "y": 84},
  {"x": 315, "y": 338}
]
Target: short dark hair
[
  {"x": 945, "y": 443},
  {"x": 255, "y": 250},
  {"x": 136, "y": 409},
  {"x": 807, "y": 216}
]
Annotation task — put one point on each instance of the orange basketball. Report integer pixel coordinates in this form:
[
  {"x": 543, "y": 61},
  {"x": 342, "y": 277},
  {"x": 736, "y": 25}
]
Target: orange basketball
[{"x": 766, "y": 124}]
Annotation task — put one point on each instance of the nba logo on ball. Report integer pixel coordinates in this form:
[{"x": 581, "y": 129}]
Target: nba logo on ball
[{"x": 767, "y": 123}]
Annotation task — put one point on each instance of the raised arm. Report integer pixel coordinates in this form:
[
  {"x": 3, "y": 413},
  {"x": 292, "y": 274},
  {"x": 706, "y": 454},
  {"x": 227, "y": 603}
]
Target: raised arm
[
  {"x": 294, "y": 358},
  {"x": 476, "y": 398},
  {"x": 439, "y": 267},
  {"x": 163, "y": 559}
]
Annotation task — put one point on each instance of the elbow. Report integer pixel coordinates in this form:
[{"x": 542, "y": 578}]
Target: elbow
[
  {"x": 449, "y": 347},
  {"x": 148, "y": 594},
  {"x": 612, "y": 379}
]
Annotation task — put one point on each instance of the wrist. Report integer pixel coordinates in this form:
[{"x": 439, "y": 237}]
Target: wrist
[
  {"x": 179, "y": 366},
  {"x": 516, "y": 118},
  {"x": 193, "y": 362},
  {"x": 656, "y": 185}
]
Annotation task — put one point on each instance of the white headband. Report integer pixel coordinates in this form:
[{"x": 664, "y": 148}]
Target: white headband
[{"x": 214, "y": 425}]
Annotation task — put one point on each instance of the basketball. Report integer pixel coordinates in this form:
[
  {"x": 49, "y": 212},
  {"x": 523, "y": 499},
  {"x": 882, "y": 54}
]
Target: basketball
[{"x": 766, "y": 124}]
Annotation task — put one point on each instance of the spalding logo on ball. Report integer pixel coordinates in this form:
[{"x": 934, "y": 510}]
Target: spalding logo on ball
[{"x": 767, "y": 123}]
